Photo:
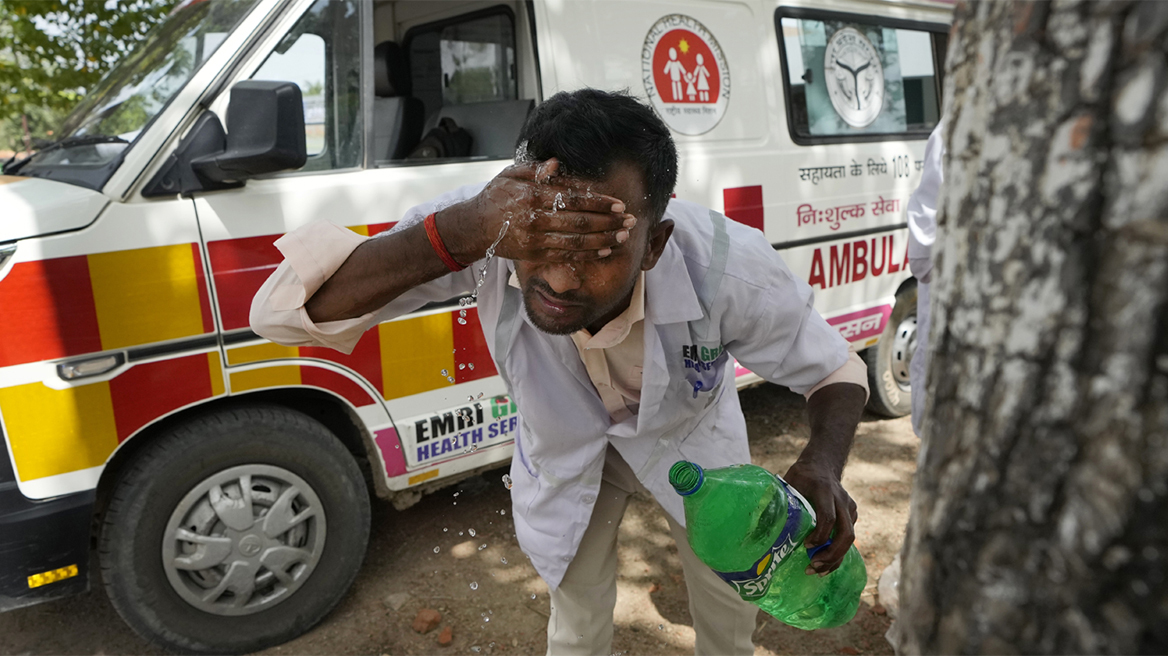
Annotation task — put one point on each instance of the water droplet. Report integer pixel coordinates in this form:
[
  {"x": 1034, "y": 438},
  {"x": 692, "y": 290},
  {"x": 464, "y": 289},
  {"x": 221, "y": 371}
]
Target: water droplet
[
  {"x": 507, "y": 481},
  {"x": 503, "y": 511},
  {"x": 457, "y": 493},
  {"x": 462, "y": 313},
  {"x": 486, "y": 619},
  {"x": 471, "y": 366},
  {"x": 450, "y": 378},
  {"x": 503, "y": 560},
  {"x": 462, "y": 366},
  {"x": 445, "y": 529},
  {"x": 660, "y": 627},
  {"x": 482, "y": 546},
  {"x": 456, "y": 503},
  {"x": 480, "y": 393},
  {"x": 470, "y": 398},
  {"x": 460, "y": 533},
  {"x": 533, "y": 596},
  {"x": 474, "y": 447},
  {"x": 461, "y": 321},
  {"x": 471, "y": 531},
  {"x": 445, "y": 373},
  {"x": 476, "y": 649},
  {"x": 397, "y": 446},
  {"x": 581, "y": 636},
  {"x": 437, "y": 549},
  {"x": 474, "y": 585}
]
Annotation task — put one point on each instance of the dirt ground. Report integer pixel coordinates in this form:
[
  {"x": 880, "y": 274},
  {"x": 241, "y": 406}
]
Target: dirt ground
[{"x": 488, "y": 592}]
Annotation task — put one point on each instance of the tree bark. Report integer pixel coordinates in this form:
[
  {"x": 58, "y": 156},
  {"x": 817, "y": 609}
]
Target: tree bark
[{"x": 1039, "y": 517}]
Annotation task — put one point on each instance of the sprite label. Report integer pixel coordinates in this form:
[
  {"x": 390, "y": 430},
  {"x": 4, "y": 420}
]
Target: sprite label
[{"x": 753, "y": 583}]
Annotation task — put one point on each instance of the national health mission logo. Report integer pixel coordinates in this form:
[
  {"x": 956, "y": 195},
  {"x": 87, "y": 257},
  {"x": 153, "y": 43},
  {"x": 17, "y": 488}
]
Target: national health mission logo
[{"x": 685, "y": 74}]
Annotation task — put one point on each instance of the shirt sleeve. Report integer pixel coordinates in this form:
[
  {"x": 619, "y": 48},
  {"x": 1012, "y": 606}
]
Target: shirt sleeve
[
  {"x": 922, "y": 209},
  {"x": 783, "y": 338},
  {"x": 854, "y": 371},
  {"x": 312, "y": 254}
]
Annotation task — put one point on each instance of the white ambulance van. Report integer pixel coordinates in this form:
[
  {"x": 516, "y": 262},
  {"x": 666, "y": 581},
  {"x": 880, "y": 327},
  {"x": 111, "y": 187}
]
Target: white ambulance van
[{"x": 230, "y": 476}]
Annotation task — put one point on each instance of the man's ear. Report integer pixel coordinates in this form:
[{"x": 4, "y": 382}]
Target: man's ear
[{"x": 657, "y": 240}]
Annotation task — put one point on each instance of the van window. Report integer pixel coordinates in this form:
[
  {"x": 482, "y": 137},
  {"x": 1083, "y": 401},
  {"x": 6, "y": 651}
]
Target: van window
[
  {"x": 850, "y": 77},
  {"x": 469, "y": 59},
  {"x": 322, "y": 55}
]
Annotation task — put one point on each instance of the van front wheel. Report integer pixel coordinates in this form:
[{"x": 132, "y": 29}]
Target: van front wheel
[
  {"x": 235, "y": 532},
  {"x": 888, "y": 361}
]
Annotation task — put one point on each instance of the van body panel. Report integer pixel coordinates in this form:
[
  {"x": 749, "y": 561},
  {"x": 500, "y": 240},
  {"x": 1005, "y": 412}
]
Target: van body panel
[{"x": 34, "y": 207}]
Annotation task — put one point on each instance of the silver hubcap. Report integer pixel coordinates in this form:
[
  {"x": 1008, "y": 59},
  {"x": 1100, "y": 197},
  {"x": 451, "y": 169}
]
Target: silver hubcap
[
  {"x": 243, "y": 540},
  {"x": 904, "y": 344}
]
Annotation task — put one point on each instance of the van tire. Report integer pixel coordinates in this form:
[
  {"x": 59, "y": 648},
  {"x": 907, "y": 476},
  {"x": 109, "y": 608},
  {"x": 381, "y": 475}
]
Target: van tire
[
  {"x": 889, "y": 393},
  {"x": 308, "y": 510}
]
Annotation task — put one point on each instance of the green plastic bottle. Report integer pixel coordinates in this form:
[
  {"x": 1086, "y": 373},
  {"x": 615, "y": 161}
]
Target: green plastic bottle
[{"x": 746, "y": 525}]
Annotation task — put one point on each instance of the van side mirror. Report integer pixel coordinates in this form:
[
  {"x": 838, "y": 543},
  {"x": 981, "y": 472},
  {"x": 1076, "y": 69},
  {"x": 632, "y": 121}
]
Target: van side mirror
[{"x": 265, "y": 134}]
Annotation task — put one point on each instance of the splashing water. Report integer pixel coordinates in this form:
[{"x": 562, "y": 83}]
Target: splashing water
[
  {"x": 474, "y": 447},
  {"x": 461, "y": 367},
  {"x": 450, "y": 379},
  {"x": 558, "y": 204},
  {"x": 437, "y": 549},
  {"x": 470, "y": 365},
  {"x": 474, "y": 585},
  {"x": 471, "y": 531},
  {"x": 503, "y": 511},
  {"x": 445, "y": 372},
  {"x": 490, "y": 254},
  {"x": 480, "y": 393},
  {"x": 476, "y": 649},
  {"x": 445, "y": 529},
  {"x": 660, "y": 627},
  {"x": 503, "y": 560},
  {"x": 507, "y": 481},
  {"x": 470, "y": 398},
  {"x": 460, "y": 534},
  {"x": 482, "y": 546},
  {"x": 533, "y": 596},
  {"x": 461, "y": 321}
]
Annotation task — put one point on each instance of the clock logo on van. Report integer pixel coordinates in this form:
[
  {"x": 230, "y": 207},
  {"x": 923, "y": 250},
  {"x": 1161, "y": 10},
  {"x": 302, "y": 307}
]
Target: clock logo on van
[
  {"x": 854, "y": 77},
  {"x": 685, "y": 74}
]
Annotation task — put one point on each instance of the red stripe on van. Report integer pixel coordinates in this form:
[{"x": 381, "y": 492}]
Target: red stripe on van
[
  {"x": 470, "y": 349},
  {"x": 365, "y": 360},
  {"x": 148, "y": 391},
  {"x": 375, "y": 228},
  {"x": 340, "y": 384},
  {"x": 744, "y": 205},
  {"x": 48, "y": 311},
  {"x": 240, "y": 267}
]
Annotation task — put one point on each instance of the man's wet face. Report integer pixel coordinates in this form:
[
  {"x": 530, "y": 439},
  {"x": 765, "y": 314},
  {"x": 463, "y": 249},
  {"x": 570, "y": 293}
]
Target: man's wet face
[{"x": 562, "y": 298}]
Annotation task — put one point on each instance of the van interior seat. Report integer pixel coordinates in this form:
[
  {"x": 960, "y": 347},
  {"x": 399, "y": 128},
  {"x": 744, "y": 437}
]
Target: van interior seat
[
  {"x": 397, "y": 116},
  {"x": 494, "y": 125}
]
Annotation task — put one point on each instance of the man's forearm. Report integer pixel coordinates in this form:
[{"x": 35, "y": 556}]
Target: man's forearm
[
  {"x": 833, "y": 414},
  {"x": 380, "y": 270}
]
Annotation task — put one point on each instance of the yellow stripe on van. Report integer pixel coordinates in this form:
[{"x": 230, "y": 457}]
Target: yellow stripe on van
[
  {"x": 145, "y": 295},
  {"x": 261, "y": 352},
  {"x": 283, "y": 376},
  {"x": 414, "y": 353},
  {"x": 215, "y": 368},
  {"x": 58, "y": 431}
]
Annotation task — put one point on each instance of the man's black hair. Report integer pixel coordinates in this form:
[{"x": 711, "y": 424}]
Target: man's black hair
[{"x": 590, "y": 130}]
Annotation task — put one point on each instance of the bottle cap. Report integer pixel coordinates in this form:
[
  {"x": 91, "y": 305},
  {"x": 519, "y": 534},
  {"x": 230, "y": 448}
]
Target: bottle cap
[{"x": 685, "y": 477}]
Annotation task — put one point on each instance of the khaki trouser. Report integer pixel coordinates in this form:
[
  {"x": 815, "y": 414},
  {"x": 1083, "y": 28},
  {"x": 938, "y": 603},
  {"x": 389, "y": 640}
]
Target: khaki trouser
[{"x": 581, "y": 613}]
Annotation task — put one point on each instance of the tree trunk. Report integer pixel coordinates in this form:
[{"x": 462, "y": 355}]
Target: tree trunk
[{"x": 1039, "y": 518}]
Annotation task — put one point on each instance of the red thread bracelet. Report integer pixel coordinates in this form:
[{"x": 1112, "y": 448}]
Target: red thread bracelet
[{"x": 439, "y": 247}]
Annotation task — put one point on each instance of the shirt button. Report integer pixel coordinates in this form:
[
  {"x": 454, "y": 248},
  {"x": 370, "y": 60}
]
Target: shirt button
[{"x": 588, "y": 498}]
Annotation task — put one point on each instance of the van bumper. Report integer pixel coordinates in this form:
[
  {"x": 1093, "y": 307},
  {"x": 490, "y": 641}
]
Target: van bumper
[{"x": 38, "y": 537}]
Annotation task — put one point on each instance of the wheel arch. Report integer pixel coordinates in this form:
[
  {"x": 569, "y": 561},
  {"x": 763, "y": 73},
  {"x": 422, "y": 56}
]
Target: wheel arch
[{"x": 329, "y": 409}]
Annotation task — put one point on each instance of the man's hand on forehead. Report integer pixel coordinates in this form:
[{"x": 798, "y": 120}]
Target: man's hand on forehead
[{"x": 551, "y": 217}]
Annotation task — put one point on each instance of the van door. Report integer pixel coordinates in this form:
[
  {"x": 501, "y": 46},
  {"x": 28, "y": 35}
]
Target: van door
[{"x": 375, "y": 77}]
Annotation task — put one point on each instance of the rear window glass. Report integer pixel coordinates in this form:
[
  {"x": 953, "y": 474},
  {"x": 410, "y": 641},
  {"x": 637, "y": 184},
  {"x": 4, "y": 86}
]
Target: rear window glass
[
  {"x": 856, "y": 78},
  {"x": 466, "y": 60}
]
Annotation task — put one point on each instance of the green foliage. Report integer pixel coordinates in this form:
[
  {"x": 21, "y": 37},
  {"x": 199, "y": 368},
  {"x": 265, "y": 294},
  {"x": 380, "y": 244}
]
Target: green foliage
[{"x": 53, "y": 51}]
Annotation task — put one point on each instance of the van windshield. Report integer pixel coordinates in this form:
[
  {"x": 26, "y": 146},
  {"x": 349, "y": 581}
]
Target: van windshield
[{"x": 118, "y": 109}]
